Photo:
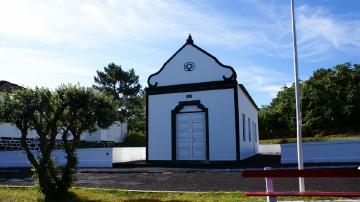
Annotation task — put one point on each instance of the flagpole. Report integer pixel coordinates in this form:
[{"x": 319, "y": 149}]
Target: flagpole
[{"x": 298, "y": 101}]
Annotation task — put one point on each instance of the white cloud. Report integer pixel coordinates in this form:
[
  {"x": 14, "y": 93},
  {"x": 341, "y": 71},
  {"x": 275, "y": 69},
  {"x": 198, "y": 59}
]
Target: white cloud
[
  {"x": 321, "y": 33},
  {"x": 93, "y": 23},
  {"x": 260, "y": 79},
  {"x": 35, "y": 37},
  {"x": 32, "y": 68},
  {"x": 96, "y": 23}
]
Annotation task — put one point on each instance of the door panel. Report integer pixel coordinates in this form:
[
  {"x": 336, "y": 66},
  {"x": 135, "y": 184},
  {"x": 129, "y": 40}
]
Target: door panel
[
  {"x": 182, "y": 154},
  {"x": 182, "y": 126},
  {"x": 183, "y": 135},
  {"x": 198, "y": 126},
  {"x": 183, "y": 145},
  {"x": 190, "y": 136},
  {"x": 198, "y": 155},
  {"x": 198, "y": 134},
  {"x": 199, "y": 144}
]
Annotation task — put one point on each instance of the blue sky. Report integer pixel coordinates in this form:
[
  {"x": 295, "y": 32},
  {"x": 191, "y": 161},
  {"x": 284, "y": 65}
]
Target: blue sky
[{"x": 46, "y": 43}]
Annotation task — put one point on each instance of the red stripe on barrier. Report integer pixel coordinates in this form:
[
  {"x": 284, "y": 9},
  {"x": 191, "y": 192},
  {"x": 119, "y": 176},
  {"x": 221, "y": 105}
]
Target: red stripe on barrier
[
  {"x": 353, "y": 172},
  {"x": 334, "y": 194}
]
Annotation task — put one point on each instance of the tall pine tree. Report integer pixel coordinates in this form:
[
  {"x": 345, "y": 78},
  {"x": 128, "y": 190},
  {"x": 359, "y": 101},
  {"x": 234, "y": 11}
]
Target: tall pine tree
[{"x": 124, "y": 87}]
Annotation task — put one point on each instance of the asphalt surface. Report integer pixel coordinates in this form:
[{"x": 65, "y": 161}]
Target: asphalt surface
[{"x": 173, "y": 177}]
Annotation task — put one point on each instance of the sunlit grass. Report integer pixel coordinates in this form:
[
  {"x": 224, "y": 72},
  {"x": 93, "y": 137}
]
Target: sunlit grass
[
  {"x": 312, "y": 139},
  {"x": 84, "y": 194},
  {"x": 12, "y": 194}
]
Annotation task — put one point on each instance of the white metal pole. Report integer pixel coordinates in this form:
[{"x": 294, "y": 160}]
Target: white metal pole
[
  {"x": 269, "y": 187},
  {"x": 298, "y": 101}
]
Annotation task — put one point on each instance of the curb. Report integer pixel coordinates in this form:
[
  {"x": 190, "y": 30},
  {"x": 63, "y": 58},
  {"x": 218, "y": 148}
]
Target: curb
[
  {"x": 125, "y": 190},
  {"x": 155, "y": 171}
]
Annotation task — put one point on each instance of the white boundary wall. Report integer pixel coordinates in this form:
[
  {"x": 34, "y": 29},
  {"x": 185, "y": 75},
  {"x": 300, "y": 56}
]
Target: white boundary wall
[
  {"x": 88, "y": 158},
  {"x": 94, "y": 157},
  {"x": 126, "y": 154},
  {"x": 269, "y": 149},
  {"x": 115, "y": 133},
  {"x": 320, "y": 152}
]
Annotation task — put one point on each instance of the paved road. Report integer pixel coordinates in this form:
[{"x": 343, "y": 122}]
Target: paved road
[
  {"x": 185, "y": 181},
  {"x": 140, "y": 176}
]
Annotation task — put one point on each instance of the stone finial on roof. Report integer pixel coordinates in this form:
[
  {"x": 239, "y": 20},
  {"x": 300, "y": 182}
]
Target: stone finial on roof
[{"x": 190, "y": 40}]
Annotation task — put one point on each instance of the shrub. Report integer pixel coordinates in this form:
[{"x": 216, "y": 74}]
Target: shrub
[
  {"x": 134, "y": 139},
  {"x": 68, "y": 111}
]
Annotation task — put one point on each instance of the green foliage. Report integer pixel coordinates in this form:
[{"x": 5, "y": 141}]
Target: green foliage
[
  {"x": 330, "y": 102},
  {"x": 134, "y": 139},
  {"x": 124, "y": 87},
  {"x": 137, "y": 125},
  {"x": 327, "y": 138},
  {"x": 69, "y": 111}
]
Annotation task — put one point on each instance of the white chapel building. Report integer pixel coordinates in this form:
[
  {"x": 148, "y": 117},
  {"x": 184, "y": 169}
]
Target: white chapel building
[{"x": 197, "y": 111}]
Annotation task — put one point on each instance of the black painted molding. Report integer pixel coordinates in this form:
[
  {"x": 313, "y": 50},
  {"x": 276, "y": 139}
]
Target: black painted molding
[
  {"x": 176, "y": 110},
  {"x": 147, "y": 124},
  {"x": 213, "y": 85},
  {"x": 190, "y": 42},
  {"x": 237, "y": 128}
]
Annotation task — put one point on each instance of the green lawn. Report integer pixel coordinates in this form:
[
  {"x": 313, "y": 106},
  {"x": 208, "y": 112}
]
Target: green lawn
[
  {"x": 312, "y": 139},
  {"x": 12, "y": 194},
  {"x": 83, "y": 194}
]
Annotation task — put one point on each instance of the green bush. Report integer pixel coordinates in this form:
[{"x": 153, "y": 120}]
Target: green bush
[{"x": 134, "y": 139}]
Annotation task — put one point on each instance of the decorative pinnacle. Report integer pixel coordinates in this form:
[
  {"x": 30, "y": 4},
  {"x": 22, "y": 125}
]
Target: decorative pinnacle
[{"x": 190, "y": 40}]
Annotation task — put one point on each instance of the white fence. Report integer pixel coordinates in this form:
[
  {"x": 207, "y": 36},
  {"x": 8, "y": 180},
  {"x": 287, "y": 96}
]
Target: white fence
[
  {"x": 91, "y": 157},
  {"x": 320, "y": 152}
]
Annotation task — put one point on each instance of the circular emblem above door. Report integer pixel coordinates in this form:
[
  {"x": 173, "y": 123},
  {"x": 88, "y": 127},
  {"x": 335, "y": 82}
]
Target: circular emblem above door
[{"x": 189, "y": 66}]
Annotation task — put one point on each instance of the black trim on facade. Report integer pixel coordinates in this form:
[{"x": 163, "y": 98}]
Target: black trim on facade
[
  {"x": 242, "y": 87},
  {"x": 147, "y": 124},
  {"x": 190, "y": 42},
  {"x": 213, "y": 85},
  {"x": 207, "y": 134},
  {"x": 177, "y": 109},
  {"x": 237, "y": 129}
]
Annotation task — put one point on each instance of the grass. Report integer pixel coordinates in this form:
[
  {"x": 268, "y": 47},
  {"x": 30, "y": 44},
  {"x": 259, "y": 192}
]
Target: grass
[
  {"x": 84, "y": 195},
  {"x": 327, "y": 138},
  {"x": 93, "y": 195}
]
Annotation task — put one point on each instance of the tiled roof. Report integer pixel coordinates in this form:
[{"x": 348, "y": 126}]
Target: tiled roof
[{"x": 6, "y": 86}]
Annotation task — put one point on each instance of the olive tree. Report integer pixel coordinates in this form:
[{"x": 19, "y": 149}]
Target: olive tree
[{"x": 68, "y": 111}]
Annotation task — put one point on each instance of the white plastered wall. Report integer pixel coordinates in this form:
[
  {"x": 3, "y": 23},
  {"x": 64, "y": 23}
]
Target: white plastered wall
[
  {"x": 9, "y": 130},
  {"x": 247, "y": 148},
  {"x": 206, "y": 69},
  {"x": 114, "y": 133},
  {"x": 222, "y": 138}
]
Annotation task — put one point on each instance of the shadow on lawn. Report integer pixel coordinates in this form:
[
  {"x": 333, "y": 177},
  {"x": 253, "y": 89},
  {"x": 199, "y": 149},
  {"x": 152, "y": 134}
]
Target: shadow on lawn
[
  {"x": 70, "y": 197},
  {"x": 154, "y": 200}
]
